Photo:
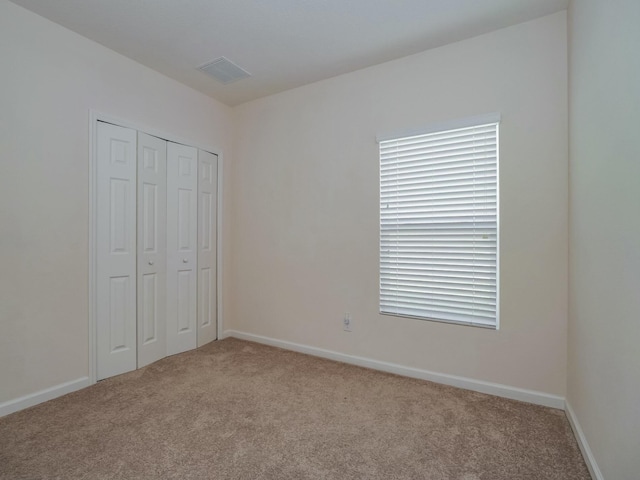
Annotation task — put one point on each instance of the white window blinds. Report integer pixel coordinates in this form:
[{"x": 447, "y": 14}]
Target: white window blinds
[{"x": 439, "y": 225}]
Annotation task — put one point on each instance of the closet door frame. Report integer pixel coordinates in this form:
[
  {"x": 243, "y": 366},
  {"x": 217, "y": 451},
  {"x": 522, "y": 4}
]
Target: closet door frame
[{"x": 95, "y": 117}]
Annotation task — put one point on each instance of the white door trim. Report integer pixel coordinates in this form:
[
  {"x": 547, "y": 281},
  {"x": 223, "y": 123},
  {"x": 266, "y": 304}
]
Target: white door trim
[{"x": 94, "y": 117}]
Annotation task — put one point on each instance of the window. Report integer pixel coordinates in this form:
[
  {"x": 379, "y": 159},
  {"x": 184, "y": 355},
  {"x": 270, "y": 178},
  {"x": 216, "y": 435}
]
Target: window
[{"x": 439, "y": 223}]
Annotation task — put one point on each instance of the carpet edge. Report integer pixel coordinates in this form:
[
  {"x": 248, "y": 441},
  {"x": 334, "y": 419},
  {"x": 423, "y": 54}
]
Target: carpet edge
[{"x": 500, "y": 390}]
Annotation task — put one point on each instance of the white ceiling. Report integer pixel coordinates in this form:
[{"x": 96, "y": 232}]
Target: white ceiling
[{"x": 282, "y": 43}]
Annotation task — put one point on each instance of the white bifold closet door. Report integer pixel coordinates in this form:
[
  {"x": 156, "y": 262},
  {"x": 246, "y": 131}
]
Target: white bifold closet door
[
  {"x": 156, "y": 249},
  {"x": 207, "y": 243},
  {"x": 182, "y": 247},
  {"x": 116, "y": 250},
  {"x": 152, "y": 248}
]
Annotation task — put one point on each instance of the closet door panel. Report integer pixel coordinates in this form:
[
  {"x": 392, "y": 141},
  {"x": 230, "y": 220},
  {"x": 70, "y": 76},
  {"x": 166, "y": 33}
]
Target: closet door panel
[
  {"x": 152, "y": 250},
  {"x": 182, "y": 221},
  {"x": 116, "y": 250},
  {"x": 207, "y": 247}
]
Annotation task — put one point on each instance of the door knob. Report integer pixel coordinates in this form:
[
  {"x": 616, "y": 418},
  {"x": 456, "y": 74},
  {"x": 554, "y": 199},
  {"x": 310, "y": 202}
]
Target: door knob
[
  {"x": 150, "y": 262},
  {"x": 184, "y": 260}
]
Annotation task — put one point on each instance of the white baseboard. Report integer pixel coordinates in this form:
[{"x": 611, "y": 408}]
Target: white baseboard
[
  {"x": 531, "y": 396},
  {"x": 32, "y": 399},
  {"x": 589, "y": 459}
]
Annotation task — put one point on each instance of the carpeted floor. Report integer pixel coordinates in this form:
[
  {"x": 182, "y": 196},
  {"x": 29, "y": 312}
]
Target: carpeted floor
[{"x": 239, "y": 410}]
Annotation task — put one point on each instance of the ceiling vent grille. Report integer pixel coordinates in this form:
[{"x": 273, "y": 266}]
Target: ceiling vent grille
[{"x": 224, "y": 70}]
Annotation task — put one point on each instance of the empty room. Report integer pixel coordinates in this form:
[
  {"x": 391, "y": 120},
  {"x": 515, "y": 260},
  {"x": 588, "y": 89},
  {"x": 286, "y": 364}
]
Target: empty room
[{"x": 328, "y": 239}]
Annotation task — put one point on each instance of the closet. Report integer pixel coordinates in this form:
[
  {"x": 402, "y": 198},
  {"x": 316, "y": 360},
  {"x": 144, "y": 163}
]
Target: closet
[{"x": 155, "y": 209}]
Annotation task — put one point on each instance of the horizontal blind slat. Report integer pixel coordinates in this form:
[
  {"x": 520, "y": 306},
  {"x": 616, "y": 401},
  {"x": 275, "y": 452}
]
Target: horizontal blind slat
[{"x": 458, "y": 309}]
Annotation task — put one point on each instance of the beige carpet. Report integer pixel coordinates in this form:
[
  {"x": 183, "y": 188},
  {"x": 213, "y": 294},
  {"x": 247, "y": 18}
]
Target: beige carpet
[{"x": 240, "y": 410}]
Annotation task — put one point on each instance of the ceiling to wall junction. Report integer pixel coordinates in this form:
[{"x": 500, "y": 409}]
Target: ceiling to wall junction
[{"x": 282, "y": 43}]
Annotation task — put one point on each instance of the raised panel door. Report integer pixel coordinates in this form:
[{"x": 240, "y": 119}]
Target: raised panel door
[
  {"x": 152, "y": 250},
  {"x": 182, "y": 248},
  {"x": 116, "y": 250},
  {"x": 207, "y": 247}
]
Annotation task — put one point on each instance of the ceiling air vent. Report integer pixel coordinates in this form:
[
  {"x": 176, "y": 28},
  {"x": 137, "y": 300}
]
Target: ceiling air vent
[{"x": 224, "y": 70}]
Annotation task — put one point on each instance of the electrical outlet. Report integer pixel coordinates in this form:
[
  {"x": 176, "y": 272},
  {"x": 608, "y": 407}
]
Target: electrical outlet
[{"x": 346, "y": 322}]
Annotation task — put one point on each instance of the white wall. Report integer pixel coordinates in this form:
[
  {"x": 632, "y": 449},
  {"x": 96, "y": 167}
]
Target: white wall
[
  {"x": 50, "y": 79},
  {"x": 604, "y": 325},
  {"x": 305, "y": 207}
]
